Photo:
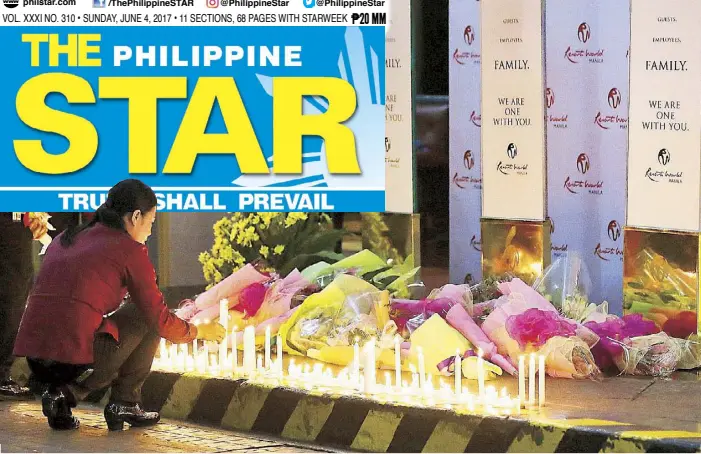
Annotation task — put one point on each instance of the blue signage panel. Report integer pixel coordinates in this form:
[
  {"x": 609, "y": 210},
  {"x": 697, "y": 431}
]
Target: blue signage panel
[{"x": 213, "y": 118}]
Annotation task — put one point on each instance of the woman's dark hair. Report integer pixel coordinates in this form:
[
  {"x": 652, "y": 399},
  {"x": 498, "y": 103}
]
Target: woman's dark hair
[{"x": 125, "y": 197}]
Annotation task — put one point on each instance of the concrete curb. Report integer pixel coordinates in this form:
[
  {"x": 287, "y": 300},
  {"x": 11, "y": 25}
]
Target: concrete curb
[{"x": 363, "y": 425}]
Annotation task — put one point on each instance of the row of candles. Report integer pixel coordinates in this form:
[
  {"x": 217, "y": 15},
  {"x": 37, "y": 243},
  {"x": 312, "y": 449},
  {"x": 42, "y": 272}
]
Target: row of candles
[{"x": 350, "y": 380}]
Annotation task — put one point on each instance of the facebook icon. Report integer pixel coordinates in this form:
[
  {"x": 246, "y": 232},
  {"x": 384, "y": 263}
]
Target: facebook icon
[
  {"x": 309, "y": 3},
  {"x": 98, "y": 3}
]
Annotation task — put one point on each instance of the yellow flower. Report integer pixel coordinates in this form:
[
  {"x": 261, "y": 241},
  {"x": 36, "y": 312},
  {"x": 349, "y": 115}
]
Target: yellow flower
[
  {"x": 293, "y": 218},
  {"x": 279, "y": 249},
  {"x": 266, "y": 219},
  {"x": 264, "y": 251}
]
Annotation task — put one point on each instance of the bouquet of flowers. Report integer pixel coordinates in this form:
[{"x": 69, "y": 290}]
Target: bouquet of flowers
[
  {"x": 566, "y": 284},
  {"x": 523, "y": 322},
  {"x": 279, "y": 242},
  {"x": 324, "y": 318},
  {"x": 615, "y": 333}
]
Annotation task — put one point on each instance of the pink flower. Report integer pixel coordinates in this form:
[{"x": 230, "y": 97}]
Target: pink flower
[
  {"x": 617, "y": 330},
  {"x": 251, "y": 298},
  {"x": 535, "y": 327}
]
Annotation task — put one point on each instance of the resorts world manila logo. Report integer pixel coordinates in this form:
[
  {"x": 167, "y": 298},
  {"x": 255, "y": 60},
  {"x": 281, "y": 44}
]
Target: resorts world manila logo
[
  {"x": 610, "y": 250},
  {"x": 662, "y": 173},
  {"x": 614, "y": 231},
  {"x": 463, "y": 57},
  {"x": 512, "y": 167},
  {"x": 468, "y": 160},
  {"x": 476, "y": 119},
  {"x": 608, "y": 118},
  {"x": 558, "y": 120},
  {"x": 476, "y": 243},
  {"x": 557, "y": 249},
  {"x": 582, "y": 51},
  {"x": 469, "y": 35},
  {"x": 584, "y": 32},
  {"x": 467, "y": 181},
  {"x": 580, "y": 183}
]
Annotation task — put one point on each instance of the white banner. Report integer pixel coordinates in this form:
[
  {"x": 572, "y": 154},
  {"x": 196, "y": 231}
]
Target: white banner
[
  {"x": 465, "y": 161},
  {"x": 587, "y": 99},
  {"x": 399, "y": 140},
  {"x": 513, "y": 130},
  {"x": 664, "y": 158}
]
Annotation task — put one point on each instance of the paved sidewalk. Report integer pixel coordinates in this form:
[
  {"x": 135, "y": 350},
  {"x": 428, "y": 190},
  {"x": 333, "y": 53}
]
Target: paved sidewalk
[{"x": 23, "y": 428}]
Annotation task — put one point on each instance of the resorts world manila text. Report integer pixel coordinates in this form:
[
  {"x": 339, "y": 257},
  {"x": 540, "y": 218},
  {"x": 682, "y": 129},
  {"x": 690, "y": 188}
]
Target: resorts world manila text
[{"x": 219, "y": 105}]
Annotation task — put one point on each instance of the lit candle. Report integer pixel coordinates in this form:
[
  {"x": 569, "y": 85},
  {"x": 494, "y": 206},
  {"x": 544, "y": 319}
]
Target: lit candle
[
  {"x": 234, "y": 348},
  {"x": 458, "y": 374},
  {"x": 259, "y": 363},
  {"x": 397, "y": 363},
  {"x": 173, "y": 356},
  {"x": 370, "y": 365},
  {"x": 522, "y": 380},
  {"x": 223, "y": 321},
  {"x": 206, "y": 356},
  {"x": 164, "y": 351},
  {"x": 480, "y": 375},
  {"x": 388, "y": 381},
  {"x": 223, "y": 351},
  {"x": 279, "y": 355},
  {"x": 183, "y": 357},
  {"x": 531, "y": 379},
  {"x": 267, "y": 347},
  {"x": 224, "y": 313},
  {"x": 422, "y": 369},
  {"x": 249, "y": 349},
  {"x": 541, "y": 380}
]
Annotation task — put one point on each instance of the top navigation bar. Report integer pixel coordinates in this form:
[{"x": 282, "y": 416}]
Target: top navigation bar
[{"x": 194, "y": 12}]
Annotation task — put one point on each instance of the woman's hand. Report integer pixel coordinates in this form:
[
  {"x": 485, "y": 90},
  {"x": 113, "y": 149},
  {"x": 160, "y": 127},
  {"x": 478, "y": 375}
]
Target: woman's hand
[{"x": 211, "y": 332}]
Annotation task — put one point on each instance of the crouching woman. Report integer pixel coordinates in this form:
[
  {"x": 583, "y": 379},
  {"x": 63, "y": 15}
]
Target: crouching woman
[{"x": 75, "y": 333}]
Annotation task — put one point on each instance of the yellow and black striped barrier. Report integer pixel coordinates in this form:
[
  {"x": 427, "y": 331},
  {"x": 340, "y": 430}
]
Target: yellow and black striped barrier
[{"x": 364, "y": 425}]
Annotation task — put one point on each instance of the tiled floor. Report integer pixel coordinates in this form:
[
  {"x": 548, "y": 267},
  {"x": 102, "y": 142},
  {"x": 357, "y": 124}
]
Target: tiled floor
[{"x": 23, "y": 428}]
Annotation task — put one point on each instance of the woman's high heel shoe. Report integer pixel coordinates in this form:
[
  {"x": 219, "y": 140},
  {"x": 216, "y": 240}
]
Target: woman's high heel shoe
[
  {"x": 57, "y": 410},
  {"x": 117, "y": 414}
]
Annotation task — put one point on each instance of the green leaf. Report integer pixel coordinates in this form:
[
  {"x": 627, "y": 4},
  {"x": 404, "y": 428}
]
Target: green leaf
[
  {"x": 321, "y": 241},
  {"x": 370, "y": 276}
]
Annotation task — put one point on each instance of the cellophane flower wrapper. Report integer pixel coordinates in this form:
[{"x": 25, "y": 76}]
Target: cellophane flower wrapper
[
  {"x": 409, "y": 315},
  {"x": 359, "y": 263},
  {"x": 461, "y": 320},
  {"x": 566, "y": 283},
  {"x": 361, "y": 317},
  {"x": 401, "y": 281},
  {"x": 663, "y": 293},
  {"x": 206, "y": 305},
  {"x": 612, "y": 332},
  {"x": 656, "y": 355},
  {"x": 524, "y": 322},
  {"x": 323, "y": 315},
  {"x": 690, "y": 353},
  {"x": 266, "y": 306},
  {"x": 438, "y": 341}
]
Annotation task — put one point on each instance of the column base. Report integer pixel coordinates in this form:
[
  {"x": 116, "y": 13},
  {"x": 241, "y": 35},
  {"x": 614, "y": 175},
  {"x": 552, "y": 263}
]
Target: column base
[
  {"x": 520, "y": 248},
  {"x": 660, "y": 278}
]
